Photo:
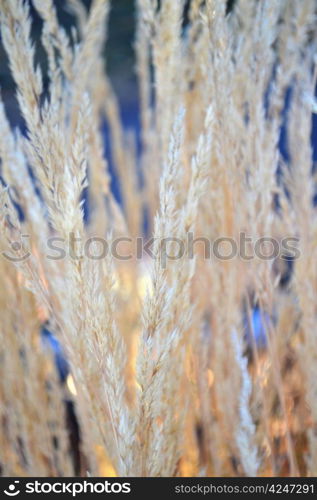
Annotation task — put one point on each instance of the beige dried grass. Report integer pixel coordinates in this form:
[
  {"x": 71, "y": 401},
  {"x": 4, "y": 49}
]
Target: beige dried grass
[{"x": 166, "y": 381}]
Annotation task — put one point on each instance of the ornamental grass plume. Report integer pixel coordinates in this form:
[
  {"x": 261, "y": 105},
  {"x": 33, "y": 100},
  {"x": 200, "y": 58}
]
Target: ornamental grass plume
[{"x": 186, "y": 360}]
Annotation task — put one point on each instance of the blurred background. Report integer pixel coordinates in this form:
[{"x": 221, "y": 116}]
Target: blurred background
[
  {"x": 118, "y": 54},
  {"x": 119, "y": 61}
]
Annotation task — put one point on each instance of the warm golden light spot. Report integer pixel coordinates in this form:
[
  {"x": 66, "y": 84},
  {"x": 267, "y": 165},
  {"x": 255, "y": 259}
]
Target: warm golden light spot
[
  {"x": 210, "y": 377},
  {"x": 71, "y": 385}
]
